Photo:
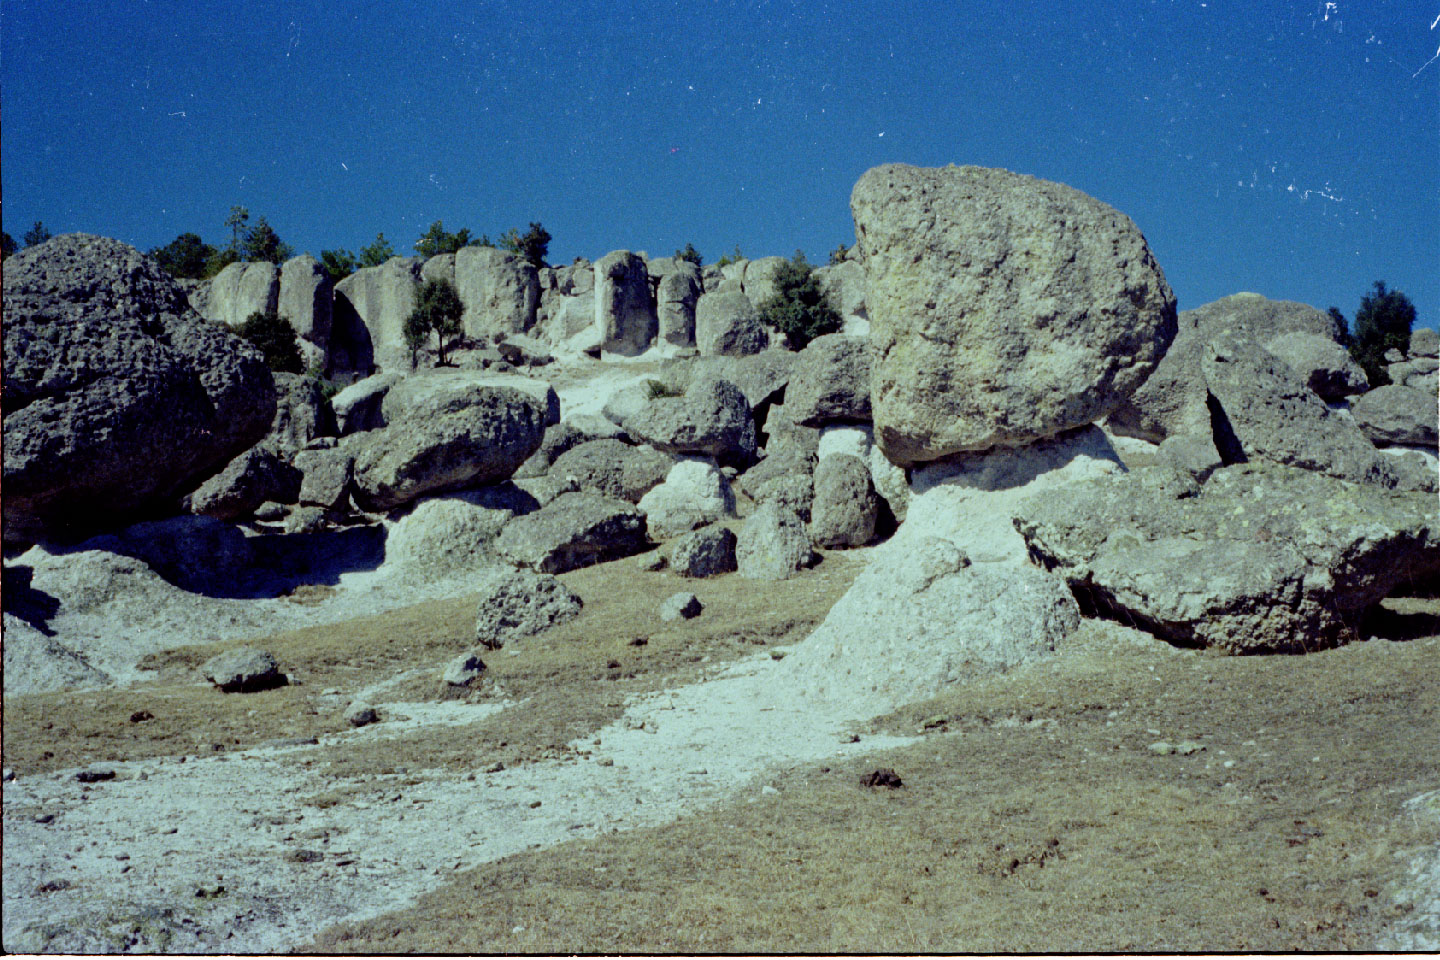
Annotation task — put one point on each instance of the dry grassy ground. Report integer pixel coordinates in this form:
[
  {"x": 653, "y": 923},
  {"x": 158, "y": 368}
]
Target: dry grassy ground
[{"x": 1034, "y": 814}]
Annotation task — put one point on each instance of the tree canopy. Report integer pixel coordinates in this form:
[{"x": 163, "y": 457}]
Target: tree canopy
[
  {"x": 339, "y": 264},
  {"x": 1382, "y": 323},
  {"x": 37, "y": 234},
  {"x": 438, "y": 310},
  {"x": 276, "y": 339},
  {"x": 7, "y": 245},
  {"x": 799, "y": 309},
  {"x": 263, "y": 243},
  {"x": 185, "y": 257},
  {"x": 437, "y": 240},
  {"x": 690, "y": 254},
  {"x": 532, "y": 246},
  {"x": 377, "y": 253}
]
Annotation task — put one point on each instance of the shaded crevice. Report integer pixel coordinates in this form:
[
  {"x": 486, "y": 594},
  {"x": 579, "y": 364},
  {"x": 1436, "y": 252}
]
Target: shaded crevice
[{"x": 1226, "y": 443}]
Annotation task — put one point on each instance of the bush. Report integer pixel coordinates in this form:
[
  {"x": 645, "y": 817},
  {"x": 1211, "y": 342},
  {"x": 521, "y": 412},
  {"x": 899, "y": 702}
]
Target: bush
[
  {"x": 218, "y": 261},
  {"x": 1383, "y": 322},
  {"x": 262, "y": 243},
  {"x": 377, "y": 253},
  {"x": 839, "y": 254},
  {"x": 7, "y": 245},
  {"x": 799, "y": 309},
  {"x": 276, "y": 339},
  {"x": 690, "y": 254},
  {"x": 37, "y": 234},
  {"x": 730, "y": 258},
  {"x": 438, "y": 310},
  {"x": 339, "y": 264},
  {"x": 533, "y": 246},
  {"x": 654, "y": 390},
  {"x": 437, "y": 240}
]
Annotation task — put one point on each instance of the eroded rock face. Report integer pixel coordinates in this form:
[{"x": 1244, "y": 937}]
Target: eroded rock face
[
  {"x": 831, "y": 382},
  {"x": 676, "y": 295},
  {"x": 256, "y": 476},
  {"x": 1397, "y": 415},
  {"x": 241, "y": 289},
  {"x": 302, "y": 413},
  {"x": 773, "y": 544},
  {"x": 306, "y": 299},
  {"x": 1323, "y": 364},
  {"x": 369, "y": 315},
  {"x": 694, "y": 493},
  {"x": 501, "y": 292},
  {"x": 613, "y": 468},
  {"x": 118, "y": 397},
  {"x": 624, "y": 314},
  {"x": 845, "y": 506},
  {"x": 707, "y": 552},
  {"x": 1003, "y": 308},
  {"x": 1260, "y": 559},
  {"x": 519, "y": 603},
  {"x": 727, "y": 324},
  {"x": 448, "y": 440},
  {"x": 572, "y": 531},
  {"x": 712, "y": 419}
]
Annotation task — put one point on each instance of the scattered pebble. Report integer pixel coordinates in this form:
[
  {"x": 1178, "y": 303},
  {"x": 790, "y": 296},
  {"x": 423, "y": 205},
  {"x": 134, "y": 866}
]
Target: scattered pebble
[
  {"x": 140, "y": 716},
  {"x": 884, "y": 777},
  {"x": 304, "y": 856},
  {"x": 495, "y": 767},
  {"x": 95, "y": 776},
  {"x": 681, "y": 606},
  {"x": 361, "y": 715}
]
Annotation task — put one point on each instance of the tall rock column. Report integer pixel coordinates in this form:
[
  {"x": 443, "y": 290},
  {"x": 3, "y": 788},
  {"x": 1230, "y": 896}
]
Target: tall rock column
[
  {"x": 624, "y": 313},
  {"x": 306, "y": 299}
]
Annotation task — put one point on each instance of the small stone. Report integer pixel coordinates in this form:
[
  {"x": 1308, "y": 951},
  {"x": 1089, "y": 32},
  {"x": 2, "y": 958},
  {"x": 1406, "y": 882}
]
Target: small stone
[
  {"x": 95, "y": 776},
  {"x": 768, "y": 790},
  {"x": 1187, "y": 747},
  {"x": 606, "y": 762},
  {"x": 681, "y": 606},
  {"x": 884, "y": 777},
  {"x": 465, "y": 670},
  {"x": 1161, "y": 747},
  {"x": 495, "y": 767},
  {"x": 304, "y": 856},
  {"x": 651, "y": 562},
  {"x": 361, "y": 715},
  {"x": 140, "y": 716},
  {"x": 8, "y": 775}
]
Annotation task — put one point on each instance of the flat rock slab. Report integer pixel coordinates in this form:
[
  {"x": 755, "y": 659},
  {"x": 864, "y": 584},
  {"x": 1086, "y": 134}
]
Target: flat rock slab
[
  {"x": 1260, "y": 559},
  {"x": 574, "y": 530}
]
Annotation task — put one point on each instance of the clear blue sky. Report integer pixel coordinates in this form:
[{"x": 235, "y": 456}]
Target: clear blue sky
[{"x": 1289, "y": 147}]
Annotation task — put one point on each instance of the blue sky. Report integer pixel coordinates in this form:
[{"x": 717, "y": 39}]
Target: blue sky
[{"x": 1289, "y": 147}]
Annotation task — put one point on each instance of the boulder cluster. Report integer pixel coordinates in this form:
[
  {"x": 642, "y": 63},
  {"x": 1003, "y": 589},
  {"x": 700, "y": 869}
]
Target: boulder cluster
[{"x": 1004, "y": 337}]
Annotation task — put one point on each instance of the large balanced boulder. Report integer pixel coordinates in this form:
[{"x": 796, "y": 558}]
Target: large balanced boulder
[
  {"x": 727, "y": 324},
  {"x": 256, "y": 476},
  {"x": 1003, "y": 308},
  {"x": 1397, "y": 415},
  {"x": 446, "y": 440},
  {"x": 118, "y": 397},
  {"x": 1260, "y": 559},
  {"x": 520, "y": 603},
  {"x": 624, "y": 313},
  {"x": 1321, "y": 362},
  {"x": 773, "y": 544},
  {"x": 845, "y": 507},
  {"x": 574, "y": 530}
]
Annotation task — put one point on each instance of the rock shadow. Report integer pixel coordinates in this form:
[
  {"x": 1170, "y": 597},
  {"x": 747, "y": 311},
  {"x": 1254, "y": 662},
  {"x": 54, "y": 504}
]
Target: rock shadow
[{"x": 21, "y": 599}]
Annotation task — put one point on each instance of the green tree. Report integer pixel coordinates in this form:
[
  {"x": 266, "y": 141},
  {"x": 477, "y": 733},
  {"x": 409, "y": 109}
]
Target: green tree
[
  {"x": 532, "y": 246},
  {"x": 263, "y": 243},
  {"x": 1383, "y": 322},
  {"x": 799, "y": 309},
  {"x": 377, "y": 253},
  {"x": 276, "y": 339},
  {"x": 437, "y": 311},
  {"x": 239, "y": 216},
  {"x": 437, "y": 240},
  {"x": 184, "y": 257},
  {"x": 7, "y": 245},
  {"x": 219, "y": 260},
  {"x": 37, "y": 234},
  {"x": 730, "y": 258},
  {"x": 691, "y": 254},
  {"x": 1343, "y": 326},
  {"x": 338, "y": 263}
]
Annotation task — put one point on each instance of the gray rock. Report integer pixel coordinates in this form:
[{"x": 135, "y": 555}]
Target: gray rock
[
  {"x": 466, "y": 670},
  {"x": 1260, "y": 410},
  {"x": 517, "y": 603},
  {"x": 681, "y": 606},
  {"x": 118, "y": 397},
  {"x": 500, "y": 291},
  {"x": 707, "y": 552},
  {"x": 762, "y": 377},
  {"x": 694, "y": 493},
  {"x": 454, "y": 533},
  {"x": 252, "y": 478},
  {"x": 844, "y": 284},
  {"x": 613, "y": 468},
  {"x": 831, "y": 382},
  {"x": 471, "y": 437},
  {"x": 624, "y": 314},
  {"x": 1322, "y": 363},
  {"x": 772, "y": 545},
  {"x": 1173, "y": 400},
  {"x": 575, "y": 530},
  {"x": 1416, "y": 372},
  {"x": 361, "y": 715},
  {"x": 1260, "y": 559},
  {"x": 307, "y": 299},
  {"x": 326, "y": 476},
  {"x": 244, "y": 670},
  {"x": 675, "y": 299},
  {"x": 795, "y": 493},
  {"x": 1042, "y": 304},
  {"x": 302, "y": 520},
  {"x": 371, "y": 306},
  {"x": 428, "y": 391},
  {"x": 359, "y": 406},
  {"x": 1192, "y": 453},
  {"x": 1425, "y": 342},
  {"x": 559, "y": 438},
  {"x": 302, "y": 414},
  {"x": 727, "y": 323},
  {"x": 439, "y": 267},
  {"x": 845, "y": 506},
  {"x": 712, "y": 419},
  {"x": 759, "y": 280},
  {"x": 1397, "y": 416},
  {"x": 241, "y": 289}
]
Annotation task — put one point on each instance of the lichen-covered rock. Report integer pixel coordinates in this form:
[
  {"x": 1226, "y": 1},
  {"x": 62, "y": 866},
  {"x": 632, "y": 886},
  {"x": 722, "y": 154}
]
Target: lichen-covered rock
[
  {"x": 1322, "y": 363},
  {"x": 773, "y": 544},
  {"x": 681, "y": 606},
  {"x": 118, "y": 397},
  {"x": 518, "y": 603},
  {"x": 574, "y": 530},
  {"x": 360, "y": 406},
  {"x": 694, "y": 493},
  {"x": 500, "y": 291},
  {"x": 728, "y": 324},
  {"x": 1260, "y": 559},
  {"x": 1003, "y": 308},
  {"x": 831, "y": 382},
  {"x": 256, "y": 476},
  {"x": 325, "y": 477},
  {"x": 845, "y": 507},
  {"x": 244, "y": 670},
  {"x": 448, "y": 440},
  {"x": 624, "y": 313},
  {"x": 302, "y": 414},
  {"x": 712, "y": 419},
  {"x": 613, "y": 468},
  {"x": 1395, "y": 415},
  {"x": 707, "y": 552}
]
